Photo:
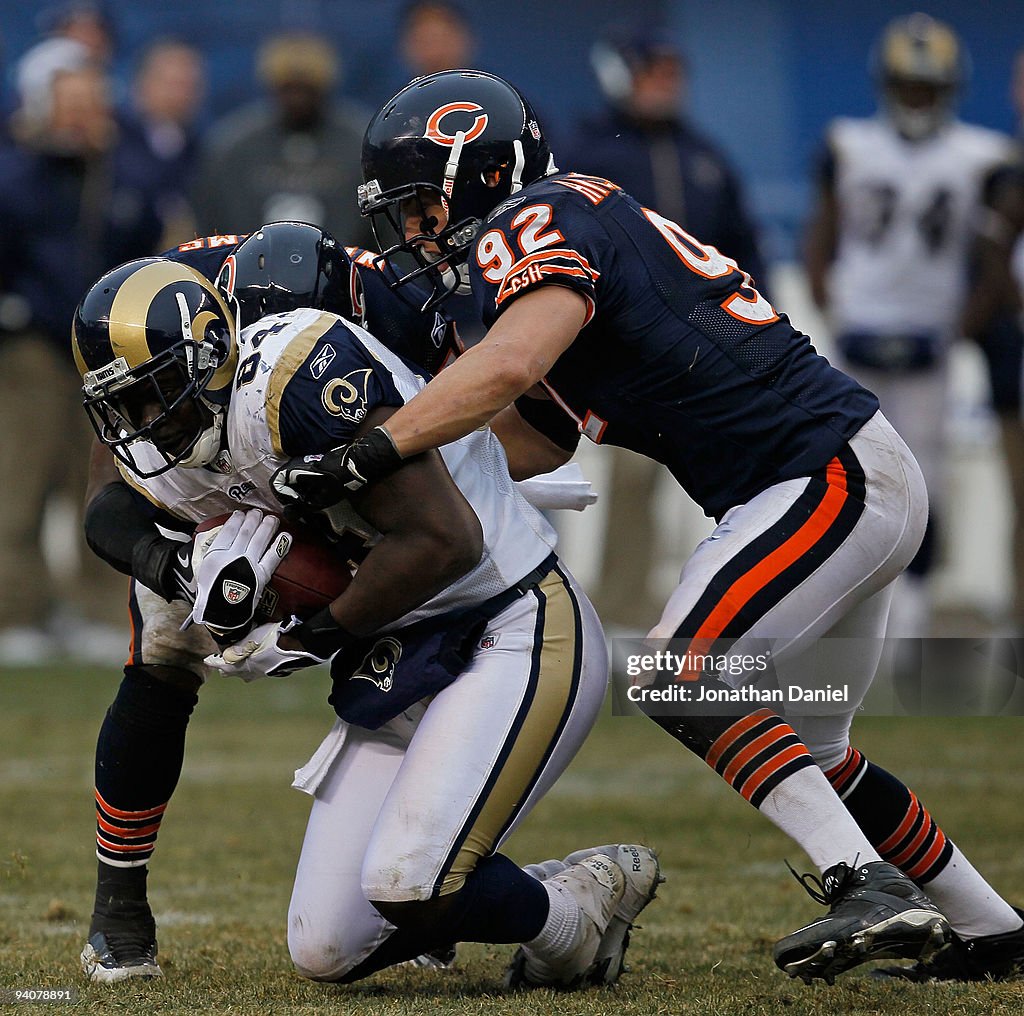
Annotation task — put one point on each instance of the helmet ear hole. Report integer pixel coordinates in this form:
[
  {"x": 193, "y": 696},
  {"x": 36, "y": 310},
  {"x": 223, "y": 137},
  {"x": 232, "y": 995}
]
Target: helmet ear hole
[{"x": 219, "y": 343}]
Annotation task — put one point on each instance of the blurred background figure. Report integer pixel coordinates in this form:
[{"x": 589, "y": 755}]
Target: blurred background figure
[
  {"x": 82, "y": 21},
  {"x": 994, "y": 317},
  {"x": 887, "y": 247},
  {"x": 69, "y": 208},
  {"x": 644, "y": 142},
  {"x": 434, "y": 35},
  {"x": 159, "y": 127},
  {"x": 295, "y": 156}
]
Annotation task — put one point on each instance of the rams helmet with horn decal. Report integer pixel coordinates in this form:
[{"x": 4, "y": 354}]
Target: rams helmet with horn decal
[{"x": 155, "y": 344}]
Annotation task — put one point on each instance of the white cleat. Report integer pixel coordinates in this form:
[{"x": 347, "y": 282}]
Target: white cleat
[
  {"x": 597, "y": 884},
  {"x": 643, "y": 875}
]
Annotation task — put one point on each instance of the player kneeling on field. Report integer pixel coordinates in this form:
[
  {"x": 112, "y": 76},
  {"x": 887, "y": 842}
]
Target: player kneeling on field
[{"x": 467, "y": 664}]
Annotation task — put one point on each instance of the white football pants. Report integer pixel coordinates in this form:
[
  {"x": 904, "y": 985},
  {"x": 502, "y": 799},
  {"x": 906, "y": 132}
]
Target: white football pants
[
  {"x": 405, "y": 812},
  {"x": 806, "y": 558}
]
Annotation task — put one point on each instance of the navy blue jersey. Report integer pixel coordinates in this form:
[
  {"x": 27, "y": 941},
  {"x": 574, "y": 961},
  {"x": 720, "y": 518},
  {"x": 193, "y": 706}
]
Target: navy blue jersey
[
  {"x": 680, "y": 358},
  {"x": 428, "y": 340}
]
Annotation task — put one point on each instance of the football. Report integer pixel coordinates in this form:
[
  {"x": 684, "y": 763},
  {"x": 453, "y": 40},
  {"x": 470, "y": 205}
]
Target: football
[{"x": 314, "y": 572}]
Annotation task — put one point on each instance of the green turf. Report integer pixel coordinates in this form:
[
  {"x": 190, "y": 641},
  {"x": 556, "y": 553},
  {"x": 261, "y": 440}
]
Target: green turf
[{"x": 222, "y": 874}]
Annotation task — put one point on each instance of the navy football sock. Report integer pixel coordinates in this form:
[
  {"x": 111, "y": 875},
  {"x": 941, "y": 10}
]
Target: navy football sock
[
  {"x": 139, "y": 755},
  {"x": 499, "y": 903},
  {"x": 897, "y": 824}
]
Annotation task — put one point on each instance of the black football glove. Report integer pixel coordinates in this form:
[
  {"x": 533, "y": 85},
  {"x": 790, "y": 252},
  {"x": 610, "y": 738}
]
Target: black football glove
[
  {"x": 165, "y": 566},
  {"x": 320, "y": 481}
]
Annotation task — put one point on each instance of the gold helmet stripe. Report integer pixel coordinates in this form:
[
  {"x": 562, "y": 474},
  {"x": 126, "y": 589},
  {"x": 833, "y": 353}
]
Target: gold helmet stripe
[
  {"x": 130, "y": 309},
  {"x": 921, "y": 48}
]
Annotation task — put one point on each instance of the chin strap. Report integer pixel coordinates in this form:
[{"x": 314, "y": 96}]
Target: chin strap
[
  {"x": 517, "y": 169},
  {"x": 207, "y": 447},
  {"x": 451, "y": 168}
]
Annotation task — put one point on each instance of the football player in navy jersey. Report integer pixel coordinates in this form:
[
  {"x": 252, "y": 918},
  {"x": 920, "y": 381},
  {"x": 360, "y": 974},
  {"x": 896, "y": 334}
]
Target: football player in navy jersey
[
  {"x": 293, "y": 264},
  {"x": 606, "y": 319},
  {"x": 182, "y": 466}
]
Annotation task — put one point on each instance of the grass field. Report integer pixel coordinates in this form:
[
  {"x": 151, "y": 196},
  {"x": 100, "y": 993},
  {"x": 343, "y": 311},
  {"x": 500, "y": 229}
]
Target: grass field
[{"x": 221, "y": 876}]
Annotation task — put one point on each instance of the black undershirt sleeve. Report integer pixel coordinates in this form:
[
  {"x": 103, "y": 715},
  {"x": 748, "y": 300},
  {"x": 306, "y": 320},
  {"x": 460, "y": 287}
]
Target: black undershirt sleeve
[
  {"x": 119, "y": 530},
  {"x": 549, "y": 419}
]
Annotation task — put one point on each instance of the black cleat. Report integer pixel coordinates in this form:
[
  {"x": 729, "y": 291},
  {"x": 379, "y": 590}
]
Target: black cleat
[
  {"x": 875, "y": 912},
  {"x": 442, "y": 958},
  {"x": 121, "y": 946},
  {"x": 987, "y": 958}
]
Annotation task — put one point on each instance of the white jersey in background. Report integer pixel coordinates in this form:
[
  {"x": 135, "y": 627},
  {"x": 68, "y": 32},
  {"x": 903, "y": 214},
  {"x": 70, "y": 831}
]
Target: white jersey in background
[{"x": 907, "y": 210}]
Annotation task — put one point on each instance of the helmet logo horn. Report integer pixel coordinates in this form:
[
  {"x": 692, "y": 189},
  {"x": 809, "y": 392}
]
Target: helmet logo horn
[{"x": 439, "y": 137}]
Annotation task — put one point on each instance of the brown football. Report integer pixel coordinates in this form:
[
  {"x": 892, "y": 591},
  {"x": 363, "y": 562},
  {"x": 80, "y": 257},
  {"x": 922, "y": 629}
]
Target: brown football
[{"x": 314, "y": 572}]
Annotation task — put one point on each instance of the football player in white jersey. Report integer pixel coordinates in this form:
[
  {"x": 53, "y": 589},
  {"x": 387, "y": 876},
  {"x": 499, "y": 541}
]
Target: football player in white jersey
[
  {"x": 467, "y": 664},
  {"x": 887, "y": 250}
]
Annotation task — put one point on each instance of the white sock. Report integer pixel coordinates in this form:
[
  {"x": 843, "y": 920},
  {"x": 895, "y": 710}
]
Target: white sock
[
  {"x": 542, "y": 870},
  {"x": 806, "y": 808},
  {"x": 561, "y": 930},
  {"x": 973, "y": 907}
]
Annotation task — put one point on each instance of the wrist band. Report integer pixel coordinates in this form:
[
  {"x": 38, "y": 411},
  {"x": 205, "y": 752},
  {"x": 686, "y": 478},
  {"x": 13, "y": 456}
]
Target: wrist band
[{"x": 321, "y": 635}]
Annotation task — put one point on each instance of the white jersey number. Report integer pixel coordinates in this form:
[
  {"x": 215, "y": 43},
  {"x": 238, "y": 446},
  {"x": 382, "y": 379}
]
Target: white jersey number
[{"x": 711, "y": 264}]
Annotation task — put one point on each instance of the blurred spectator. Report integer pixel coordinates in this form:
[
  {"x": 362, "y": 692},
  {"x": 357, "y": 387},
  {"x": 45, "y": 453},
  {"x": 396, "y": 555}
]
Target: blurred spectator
[
  {"x": 434, "y": 35},
  {"x": 159, "y": 128},
  {"x": 644, "y": 143},
  {"x": 294, "y": 157},
  {"x": 993, "y": 316},
  {"x": 82, "y": 21},
  {"x": 887, "y": 251},
  {"x": 69, "y": 209},
  {"x": 33, "y": 79}
]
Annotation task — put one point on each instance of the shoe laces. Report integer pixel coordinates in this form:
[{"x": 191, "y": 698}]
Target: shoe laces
[
  {"x": 129, "y": 930},
  {"x": 130, "y": 945},
  {"x": 827, "y": 889}
]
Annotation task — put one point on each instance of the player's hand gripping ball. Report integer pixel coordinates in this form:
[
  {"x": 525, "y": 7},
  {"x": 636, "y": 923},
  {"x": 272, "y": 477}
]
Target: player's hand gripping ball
[{"x": 292, "y": 569}]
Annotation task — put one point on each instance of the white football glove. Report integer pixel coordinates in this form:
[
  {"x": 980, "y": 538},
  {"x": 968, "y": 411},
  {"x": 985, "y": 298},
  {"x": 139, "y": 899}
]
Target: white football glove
[
  {"x": 258, "y": 654},
  {"x": 234, "y": 571}
]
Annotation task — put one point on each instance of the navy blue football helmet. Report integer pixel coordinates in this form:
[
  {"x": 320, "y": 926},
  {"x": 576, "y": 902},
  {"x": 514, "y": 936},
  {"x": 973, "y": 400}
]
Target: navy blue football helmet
[
  {"x": 466, "y": 139},
  {"x": 156, "y": 333},
  {"x": 287, "y": 265}
]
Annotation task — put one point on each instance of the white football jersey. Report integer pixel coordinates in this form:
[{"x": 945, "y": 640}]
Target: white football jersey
[
  {"x": 906, "y": 214},
  {"x": 311, "y": 372}
]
